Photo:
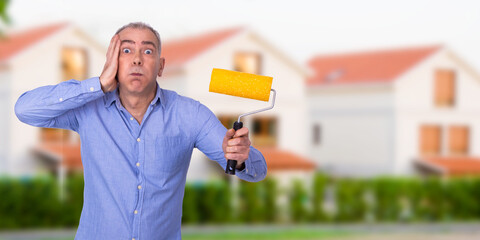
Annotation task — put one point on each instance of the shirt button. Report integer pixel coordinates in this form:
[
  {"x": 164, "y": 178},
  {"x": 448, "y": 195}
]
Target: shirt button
[
  {"x": 131, "y": 118},
  {"x": 61, "y": 99},
  {"x": 138, "y": 139},
  {"x": 138, "y": 164},
  {"x": 91, "y": 89},
  {"x": 135, "y": 212},
  {"x": 133, "y": 238},
  {"x": 139, "y": 187}
]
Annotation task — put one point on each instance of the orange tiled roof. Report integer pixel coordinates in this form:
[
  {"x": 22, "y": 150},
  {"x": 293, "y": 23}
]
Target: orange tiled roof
[
  {"x": 455, "y": 166},
  {"x": 68, "y": 152},
  {"x": 374, "y": 66},
  {"x": 276, "y": 159},
  {"x": 178, "y": 52},
  {"x": 16, "y": 42},
  {"x": 283, "y": 160}
]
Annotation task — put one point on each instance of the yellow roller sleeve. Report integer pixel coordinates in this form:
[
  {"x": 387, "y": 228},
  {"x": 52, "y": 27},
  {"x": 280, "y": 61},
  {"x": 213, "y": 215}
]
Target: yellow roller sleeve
[{"x": 241, "y": 84}]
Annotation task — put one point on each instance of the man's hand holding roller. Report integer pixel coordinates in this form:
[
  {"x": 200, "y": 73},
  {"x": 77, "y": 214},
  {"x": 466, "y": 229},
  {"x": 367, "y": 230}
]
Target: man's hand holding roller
[{"x": 236, "y": 145}]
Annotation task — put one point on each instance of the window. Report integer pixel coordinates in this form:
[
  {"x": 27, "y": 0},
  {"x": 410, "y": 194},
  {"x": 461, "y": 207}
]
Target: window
[
  {"x": 430, "y": 140},
  {"x": 54, "y": 135},
  {"x": 264, "y": 132},
  {"x": 248, "y": 62},
  {"x": 458, "y": 140},
  {"x": 444, "y": 87},
  {"x": 228, "y": 120},
  {"x": 317, "y": 131},
  {"x": 74, "y": 63}
]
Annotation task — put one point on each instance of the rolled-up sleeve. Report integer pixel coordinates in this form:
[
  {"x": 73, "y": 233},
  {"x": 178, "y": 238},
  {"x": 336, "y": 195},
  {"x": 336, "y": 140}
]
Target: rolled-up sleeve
[{"x": 255, "y": 167}]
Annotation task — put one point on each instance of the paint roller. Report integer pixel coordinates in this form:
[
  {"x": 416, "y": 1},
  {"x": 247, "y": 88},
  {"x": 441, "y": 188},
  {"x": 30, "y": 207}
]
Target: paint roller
[{"x": 241, "y": 85}]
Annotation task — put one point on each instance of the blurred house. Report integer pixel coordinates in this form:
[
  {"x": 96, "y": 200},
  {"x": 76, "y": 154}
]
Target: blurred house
[
  {"x": 398, "y": 111},
  {"x": 60, "y": 52},
  {"x": 284, "y": 166},
  {"x": 31, "y": 58},
  {"x": 280, "y": 132}
]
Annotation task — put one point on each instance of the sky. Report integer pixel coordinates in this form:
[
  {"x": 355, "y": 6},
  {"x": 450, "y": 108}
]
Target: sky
[{"x": 301, "y": 29}]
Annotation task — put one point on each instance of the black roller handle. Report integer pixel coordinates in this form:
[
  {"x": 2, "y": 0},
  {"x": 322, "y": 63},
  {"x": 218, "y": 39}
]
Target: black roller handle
[{"x": 232, "y": 164}]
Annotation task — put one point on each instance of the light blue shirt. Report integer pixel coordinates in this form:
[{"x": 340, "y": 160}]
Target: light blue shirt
[{"x": 134, "y": 173}]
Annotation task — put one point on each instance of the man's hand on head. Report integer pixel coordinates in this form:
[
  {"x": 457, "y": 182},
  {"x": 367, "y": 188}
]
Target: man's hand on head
[
  {"x": 236, "y": 145},
  {"x": 108, "y": 77}
]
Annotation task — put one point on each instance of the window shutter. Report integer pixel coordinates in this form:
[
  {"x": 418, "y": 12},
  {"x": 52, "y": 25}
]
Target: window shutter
[
  {"x": 248, "y": 62},
  {"x": 430, "y": 140},
  {"x": 444, "y": 87},
  {"x": 458, "y": 140}
]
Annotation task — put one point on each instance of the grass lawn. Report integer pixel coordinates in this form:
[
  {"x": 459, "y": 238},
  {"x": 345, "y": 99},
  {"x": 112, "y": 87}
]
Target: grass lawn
[{"x": 291, "y": 234}]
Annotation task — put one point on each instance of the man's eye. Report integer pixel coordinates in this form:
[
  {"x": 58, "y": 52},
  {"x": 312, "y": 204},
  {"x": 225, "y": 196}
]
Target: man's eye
[
  {"x": 126, "y": 50},
  {"x": 148, "y": 51}
]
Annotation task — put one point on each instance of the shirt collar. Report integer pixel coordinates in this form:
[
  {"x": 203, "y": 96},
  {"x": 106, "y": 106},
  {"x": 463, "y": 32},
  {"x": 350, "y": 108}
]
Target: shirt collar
[
  {"x": 110, "y": 97},
  {"x": 159, "y": 97},
  {"x": 113, "y": 96}
]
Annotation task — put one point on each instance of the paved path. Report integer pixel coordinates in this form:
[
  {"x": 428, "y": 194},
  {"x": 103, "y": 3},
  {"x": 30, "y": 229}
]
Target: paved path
[
  {"x": 451, "y": 231},
  {"x": 424, "y": 236},
  {"x": 420, "y": 231},
  {"x": 48, "y": 234}
]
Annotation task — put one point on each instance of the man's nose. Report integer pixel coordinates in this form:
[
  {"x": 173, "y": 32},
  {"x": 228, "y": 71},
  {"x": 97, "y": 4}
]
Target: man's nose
[{"x": 137, "y": 60}]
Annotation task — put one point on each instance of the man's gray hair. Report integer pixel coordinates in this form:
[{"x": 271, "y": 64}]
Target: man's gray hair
[{"x": 141, "y": 25}]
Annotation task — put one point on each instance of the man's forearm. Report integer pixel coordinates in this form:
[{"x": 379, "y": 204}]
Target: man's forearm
[{"x": 44, "y": 105}]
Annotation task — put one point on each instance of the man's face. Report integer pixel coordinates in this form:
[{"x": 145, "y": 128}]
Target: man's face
[{"x": 139, "y": 61}]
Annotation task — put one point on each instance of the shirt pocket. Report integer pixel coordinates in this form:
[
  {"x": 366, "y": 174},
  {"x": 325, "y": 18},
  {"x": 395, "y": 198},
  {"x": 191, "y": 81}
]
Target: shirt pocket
[{"x": 171, "y": 153}]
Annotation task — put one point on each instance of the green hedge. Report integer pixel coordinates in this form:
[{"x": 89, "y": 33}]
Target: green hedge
[
  {"x": 35, "y": 202},
  {"x": 351, "y": 206},
  {"x": 318, "y": 214},
  {"x": 209, "y": 202},
  {"x": 298, "y": 202}
]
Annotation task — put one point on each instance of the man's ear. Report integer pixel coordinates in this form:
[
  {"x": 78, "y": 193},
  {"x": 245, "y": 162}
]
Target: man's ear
[{"x": 162, "y": 66}]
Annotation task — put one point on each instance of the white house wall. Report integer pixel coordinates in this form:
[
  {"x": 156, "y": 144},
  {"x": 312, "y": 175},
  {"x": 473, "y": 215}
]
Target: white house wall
[
  {"x": 290, "y": 104},
  {"x": 356, "y": 137},
  {"x": 4, "y": 110},
  {"x": 176, "y": 83},
  {"x": 414, "y": 101},
  {"x": 37, "y": 66},
  {"x": 34, "y": 67}
]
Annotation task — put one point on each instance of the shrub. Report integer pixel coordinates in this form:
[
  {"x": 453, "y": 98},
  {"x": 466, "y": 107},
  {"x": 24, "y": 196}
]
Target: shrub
[
  {"x": 388, "y": 192},
  {"x": 251, "y": 202},
  {"x": 319, "y": 184},
  {"x": 190, "y": 213},
  {"x": 73, "y": 203},
  {"x": 271, "y": 195},
  {"x": 350, "y": 200},
  {"x": 430, "y": 200},
  {"x": 460, "y": 201},
  {"x": 34, "y": 202},
  {"x": 298, "y": 202}
]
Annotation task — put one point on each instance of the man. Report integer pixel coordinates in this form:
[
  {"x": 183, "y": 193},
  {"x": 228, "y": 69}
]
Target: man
[{"x": 136, "y": 140}]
